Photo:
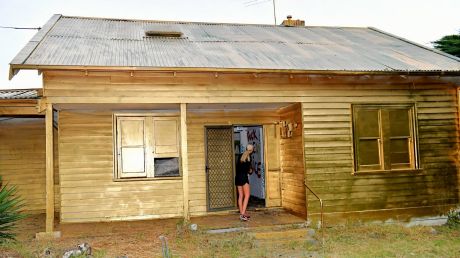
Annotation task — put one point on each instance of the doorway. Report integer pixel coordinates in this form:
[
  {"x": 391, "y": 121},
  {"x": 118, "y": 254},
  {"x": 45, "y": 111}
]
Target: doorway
[
  {"x": 242, "y": 136},
  {"x": 224, "y": 145}
]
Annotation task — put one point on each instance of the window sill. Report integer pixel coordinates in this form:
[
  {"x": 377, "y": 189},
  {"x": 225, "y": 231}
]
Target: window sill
[
  {"x": 394, "y": 171},
  {"x": 178, "y": 178}
]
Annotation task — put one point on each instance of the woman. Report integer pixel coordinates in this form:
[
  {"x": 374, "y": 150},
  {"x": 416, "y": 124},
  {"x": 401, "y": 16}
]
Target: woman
[{"x": 243, "y": 168}]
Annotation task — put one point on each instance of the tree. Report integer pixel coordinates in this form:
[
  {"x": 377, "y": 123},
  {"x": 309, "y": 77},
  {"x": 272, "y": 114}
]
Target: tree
[{"x": 449, "y": 44}]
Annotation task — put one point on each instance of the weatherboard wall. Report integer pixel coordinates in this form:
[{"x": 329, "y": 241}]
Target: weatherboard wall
[
  {"x": 22, "y": 161},
  {"x": 88, "y": 189},
  {"x": 328, "y": 141},
  {"x": 292, "y": 162},
  {"x": 326, "y": 115}
]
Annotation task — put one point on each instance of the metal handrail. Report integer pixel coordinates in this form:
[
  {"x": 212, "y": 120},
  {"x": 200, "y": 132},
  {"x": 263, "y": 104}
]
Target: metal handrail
[{"x": 322, "y": 208}]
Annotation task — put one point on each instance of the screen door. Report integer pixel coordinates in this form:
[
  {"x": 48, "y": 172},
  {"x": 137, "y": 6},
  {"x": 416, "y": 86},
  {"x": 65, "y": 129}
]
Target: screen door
[{"x": 219, "y": 168}]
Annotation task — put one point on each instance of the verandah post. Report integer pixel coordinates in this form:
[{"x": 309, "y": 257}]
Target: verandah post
[
  {"x": 184, "y": 157},
  {"x": 49, "y": 169}
]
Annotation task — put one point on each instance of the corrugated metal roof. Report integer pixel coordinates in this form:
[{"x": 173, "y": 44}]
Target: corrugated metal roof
[
  {"x": 80, "y": 41},
  {"x": 20, "y": 94}
]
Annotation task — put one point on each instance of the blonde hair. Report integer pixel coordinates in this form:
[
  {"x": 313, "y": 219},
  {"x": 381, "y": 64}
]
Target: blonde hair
[{"x": 246, "y": 154}]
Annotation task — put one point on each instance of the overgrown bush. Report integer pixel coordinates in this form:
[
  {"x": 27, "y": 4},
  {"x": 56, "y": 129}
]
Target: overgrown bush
[
  {"x": 10, "y": 205},
  {"x": 453, "y": 218}
]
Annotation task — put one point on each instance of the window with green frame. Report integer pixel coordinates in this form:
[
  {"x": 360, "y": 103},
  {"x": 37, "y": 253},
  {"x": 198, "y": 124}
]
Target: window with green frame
[{"x": 384, "y": 137}]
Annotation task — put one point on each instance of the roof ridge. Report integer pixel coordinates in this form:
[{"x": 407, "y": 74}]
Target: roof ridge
[
  {"x": 416, "y": 44},
  {"x": 208, "y": 23}
]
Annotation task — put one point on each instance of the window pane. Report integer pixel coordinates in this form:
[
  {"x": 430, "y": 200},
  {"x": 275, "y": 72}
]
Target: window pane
[
  {"x": 368, "y": 152},
  {"x": 399, "y": 151},
  {"x": 132, "y": 160},
  {"x": 165, "y": 167},
  {"x": 399, "y": 122},
  {"x": 367, "y": 123}
]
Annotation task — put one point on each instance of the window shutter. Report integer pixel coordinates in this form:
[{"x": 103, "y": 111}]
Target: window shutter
[
  {"x": 368, "y": 139},
  {"x": 166, "y": 132},
  {"x": 131, "y": 147}
]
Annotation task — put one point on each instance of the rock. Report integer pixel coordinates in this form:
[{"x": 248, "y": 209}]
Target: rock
[
  {"x": 85, "y": 248},
  {"x": 72, "y": 253},
  {"x": 193, "y": 227},
  {"x": 82, "y": 249}
]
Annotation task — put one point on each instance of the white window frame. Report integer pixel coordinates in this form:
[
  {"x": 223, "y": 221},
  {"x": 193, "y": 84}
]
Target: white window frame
[{"x": 149, "y": 143}]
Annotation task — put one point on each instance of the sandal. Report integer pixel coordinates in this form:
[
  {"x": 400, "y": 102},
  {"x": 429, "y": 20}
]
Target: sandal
[{"x": 243, "y": 217}]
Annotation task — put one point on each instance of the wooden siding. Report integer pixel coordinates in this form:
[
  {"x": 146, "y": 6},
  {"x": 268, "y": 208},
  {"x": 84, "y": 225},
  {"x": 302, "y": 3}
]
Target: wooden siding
[
  {"x": 195, "y": 87},
  {"x": 18, "y": 107},
  {"x": 329, "y": 152},
  {"x": 196, "y": 123},
  {"x": 22, "y": 160},
  {"x": 292, "y": 163},
  {"x": 327, "y": 136},
  {"x": 88, "y": 191}
]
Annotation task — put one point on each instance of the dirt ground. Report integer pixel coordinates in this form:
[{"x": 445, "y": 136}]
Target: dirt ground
[{"x": 141, "y": 239}]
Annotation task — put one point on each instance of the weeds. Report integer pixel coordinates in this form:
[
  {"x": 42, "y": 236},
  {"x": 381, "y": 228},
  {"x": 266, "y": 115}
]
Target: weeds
[
  {"x": 392, "y": 240},
  {"x": 17, "y": 248},
  {"x": 453, "y": 218}
]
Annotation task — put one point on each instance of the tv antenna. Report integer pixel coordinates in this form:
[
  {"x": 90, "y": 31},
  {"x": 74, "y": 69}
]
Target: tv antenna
[{"x": 258, "y": 2}]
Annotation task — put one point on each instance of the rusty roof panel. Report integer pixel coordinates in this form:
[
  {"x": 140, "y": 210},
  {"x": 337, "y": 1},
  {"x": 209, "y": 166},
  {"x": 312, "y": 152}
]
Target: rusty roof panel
[{"x": 78, "y": 41}]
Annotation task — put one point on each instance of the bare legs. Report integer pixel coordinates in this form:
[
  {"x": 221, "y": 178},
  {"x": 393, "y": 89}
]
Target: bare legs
[{"x": 243, "y": 198}]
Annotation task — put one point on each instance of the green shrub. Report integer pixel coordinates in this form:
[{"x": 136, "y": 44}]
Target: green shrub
[
  {"x": 10, "y": 205},
  {"x": 453, "y": 218}
]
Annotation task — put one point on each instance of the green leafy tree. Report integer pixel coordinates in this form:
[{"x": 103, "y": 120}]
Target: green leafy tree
[
  {"x": 449, "y": 44},
  {"x": 10, "y": 205}
]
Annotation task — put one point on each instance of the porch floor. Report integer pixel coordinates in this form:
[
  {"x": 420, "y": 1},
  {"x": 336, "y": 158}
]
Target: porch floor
[{"x": 259, "y": 218}]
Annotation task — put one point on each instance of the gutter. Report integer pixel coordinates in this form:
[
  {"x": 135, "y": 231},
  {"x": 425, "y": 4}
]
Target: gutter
[{"x": 14, "y": 68}]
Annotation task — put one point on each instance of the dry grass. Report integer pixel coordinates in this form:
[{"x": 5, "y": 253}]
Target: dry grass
[
  {"x": 355, "y": 240},
  {"x": 392, "y": 241}
]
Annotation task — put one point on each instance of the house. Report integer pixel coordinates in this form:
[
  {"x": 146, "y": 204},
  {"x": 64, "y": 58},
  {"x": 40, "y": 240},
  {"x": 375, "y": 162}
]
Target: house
[{"x": 144, "y": 119}]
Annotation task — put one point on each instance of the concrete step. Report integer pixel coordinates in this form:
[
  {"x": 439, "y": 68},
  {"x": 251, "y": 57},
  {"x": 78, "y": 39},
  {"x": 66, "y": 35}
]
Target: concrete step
[
  {"x": 269, "y": 228},
  {"x": 283, "y": 243},
  {"x": 288, "y": 234}
]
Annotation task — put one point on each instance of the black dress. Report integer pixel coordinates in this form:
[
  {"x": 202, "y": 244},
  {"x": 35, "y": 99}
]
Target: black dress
[{"x": 242, "y": 171}]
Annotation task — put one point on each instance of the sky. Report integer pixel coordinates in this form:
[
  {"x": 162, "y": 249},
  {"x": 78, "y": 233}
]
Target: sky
[{"x": 421, "y": 21}]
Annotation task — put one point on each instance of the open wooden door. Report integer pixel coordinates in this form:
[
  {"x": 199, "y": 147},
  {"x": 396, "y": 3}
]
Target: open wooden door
[{"x": 272, "y": 165}]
